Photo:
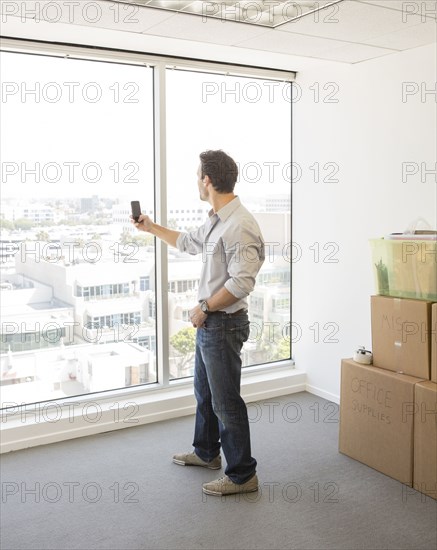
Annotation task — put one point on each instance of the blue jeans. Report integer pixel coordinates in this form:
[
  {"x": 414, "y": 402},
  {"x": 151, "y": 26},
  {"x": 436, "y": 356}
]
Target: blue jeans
[{"x": 221, "y": 414}]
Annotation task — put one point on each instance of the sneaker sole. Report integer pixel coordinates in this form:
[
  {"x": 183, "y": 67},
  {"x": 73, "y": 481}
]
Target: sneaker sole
[
  {"x": 218, "y": 494},
  {"x": 182, "y": 463}
]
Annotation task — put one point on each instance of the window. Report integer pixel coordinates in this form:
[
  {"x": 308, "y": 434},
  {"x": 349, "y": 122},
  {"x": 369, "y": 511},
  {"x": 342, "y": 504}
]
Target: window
[
  {"x": 280, "y": 303},
  {"x": 88, "y": 150},
  {"x": 76, "y": 169},
  {"x": 255, "y": 108},
  {"x": 152, "y": 310},
  {"x": 144, "y": 283},
  {"x": 186, "y": 315},
  {"x": 147, "y": 342}
]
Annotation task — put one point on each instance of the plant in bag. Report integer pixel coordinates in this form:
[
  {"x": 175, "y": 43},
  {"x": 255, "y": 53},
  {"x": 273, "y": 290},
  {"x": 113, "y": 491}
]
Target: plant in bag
[{"x": 382, "y": 274}]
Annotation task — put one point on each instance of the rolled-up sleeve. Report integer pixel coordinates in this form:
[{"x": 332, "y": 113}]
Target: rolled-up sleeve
[
  {"x": 245, "y": 256},
  {"x": 192, "y": 242}
]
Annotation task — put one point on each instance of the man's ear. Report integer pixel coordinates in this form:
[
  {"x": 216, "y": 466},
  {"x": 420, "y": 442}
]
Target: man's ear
[{"x": 206, "y": 180}]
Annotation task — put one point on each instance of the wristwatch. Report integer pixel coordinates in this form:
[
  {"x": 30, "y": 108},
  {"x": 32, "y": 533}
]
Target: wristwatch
[{"x": 204, "y": 306}]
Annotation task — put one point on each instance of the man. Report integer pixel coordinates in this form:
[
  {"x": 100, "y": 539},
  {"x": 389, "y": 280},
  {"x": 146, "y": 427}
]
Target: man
[{"x": 232, "y": 249}]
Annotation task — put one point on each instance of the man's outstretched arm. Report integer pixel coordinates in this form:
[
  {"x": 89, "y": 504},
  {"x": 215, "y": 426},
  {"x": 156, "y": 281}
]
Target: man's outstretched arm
[{"x": 167, "y": 235}]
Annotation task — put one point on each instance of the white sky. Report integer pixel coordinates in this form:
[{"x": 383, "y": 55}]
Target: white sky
[{"x": 202, "y": 114}]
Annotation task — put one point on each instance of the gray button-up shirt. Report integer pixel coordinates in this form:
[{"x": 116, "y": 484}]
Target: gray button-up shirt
[{"x": 232, "y": 250}]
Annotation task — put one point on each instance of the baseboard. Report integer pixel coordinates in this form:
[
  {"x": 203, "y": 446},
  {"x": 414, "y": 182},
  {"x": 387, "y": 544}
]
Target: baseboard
[{"x": 322, "y": 393}]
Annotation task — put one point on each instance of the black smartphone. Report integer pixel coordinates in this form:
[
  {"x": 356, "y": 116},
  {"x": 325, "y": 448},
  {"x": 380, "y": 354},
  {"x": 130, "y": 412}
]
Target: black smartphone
[{"x": 136, "y": 210}]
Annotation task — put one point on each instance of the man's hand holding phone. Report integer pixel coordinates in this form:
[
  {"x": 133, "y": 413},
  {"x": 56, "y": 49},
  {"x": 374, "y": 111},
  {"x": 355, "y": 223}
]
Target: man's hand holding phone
[
  {"x": 141, "y": 221},
  {"x": 144, "y": 223}
]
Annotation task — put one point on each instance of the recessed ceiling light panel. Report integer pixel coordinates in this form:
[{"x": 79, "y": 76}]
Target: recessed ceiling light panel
[{"x": 266, "y": 13}]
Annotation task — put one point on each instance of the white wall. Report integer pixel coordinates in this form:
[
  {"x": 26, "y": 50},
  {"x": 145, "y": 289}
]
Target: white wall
[{"x": 369, "y": 133}]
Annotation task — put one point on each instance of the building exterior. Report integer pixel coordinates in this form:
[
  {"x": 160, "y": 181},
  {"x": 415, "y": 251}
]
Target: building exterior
[
  {"x": 54, "y": 373},
  {"x": 182, "y": 219},
  {"x": 32, "y": 318},
  {"x": 88, "y": 290}
]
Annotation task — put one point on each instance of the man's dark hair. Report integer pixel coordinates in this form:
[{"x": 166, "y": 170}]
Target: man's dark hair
[{"x": 221, "y": 170}]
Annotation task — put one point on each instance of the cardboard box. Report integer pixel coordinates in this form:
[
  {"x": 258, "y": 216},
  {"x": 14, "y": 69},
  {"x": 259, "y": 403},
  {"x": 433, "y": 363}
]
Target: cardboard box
[
  {"x": 433, "y": 334},
  {"x": 425, "y": 439},
  {"x": 401, "y": 335},
  {"x": 376, "y": 418}
]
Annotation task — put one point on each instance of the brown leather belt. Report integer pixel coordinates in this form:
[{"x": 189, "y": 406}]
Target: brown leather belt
[{"x": 234, "y": 314}]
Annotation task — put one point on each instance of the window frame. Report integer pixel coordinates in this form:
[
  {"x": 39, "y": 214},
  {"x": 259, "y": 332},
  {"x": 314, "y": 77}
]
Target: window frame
[{"x": 160, "y": 64}]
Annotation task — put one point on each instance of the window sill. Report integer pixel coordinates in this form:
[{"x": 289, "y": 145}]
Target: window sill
[{"x": 51, "y": 422}]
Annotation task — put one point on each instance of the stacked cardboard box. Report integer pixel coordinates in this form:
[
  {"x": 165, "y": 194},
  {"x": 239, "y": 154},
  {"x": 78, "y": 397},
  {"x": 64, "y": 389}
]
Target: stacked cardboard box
[
  {"x": 401, "y": 335},
  {"x": 425, "y": 438},
  {"x": 388, "y": 410},
  {"x": 425, "y": 423},
  {"x": 434, "y": 344}
]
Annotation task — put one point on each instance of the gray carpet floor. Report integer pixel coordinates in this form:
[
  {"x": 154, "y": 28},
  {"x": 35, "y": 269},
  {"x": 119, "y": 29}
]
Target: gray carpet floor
[{"x": 120, "y": 490}]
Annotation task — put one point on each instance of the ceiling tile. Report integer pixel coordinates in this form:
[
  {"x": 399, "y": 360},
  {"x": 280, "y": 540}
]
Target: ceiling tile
[
  {"x": 425, "y": 8},
  {"x": 411, "y": 37},
  {"x": 354, "y": 53},
  {"x": 350, "y": 21},
  {"x": 290, "y": 43},
  {"x": 192, "y": 27},
  {"x": 121, "y": 16}
]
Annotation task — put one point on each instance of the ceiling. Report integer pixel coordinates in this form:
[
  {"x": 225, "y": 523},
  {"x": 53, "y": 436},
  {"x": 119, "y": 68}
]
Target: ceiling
[{"x": 348, "y": 31}]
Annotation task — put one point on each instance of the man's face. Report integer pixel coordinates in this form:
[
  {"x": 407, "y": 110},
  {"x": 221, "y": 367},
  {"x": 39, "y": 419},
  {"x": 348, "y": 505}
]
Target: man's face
[{"x": 203, "y": 190}]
